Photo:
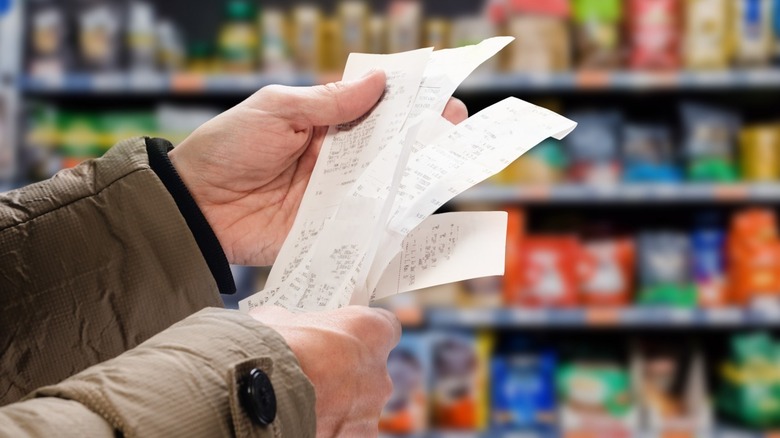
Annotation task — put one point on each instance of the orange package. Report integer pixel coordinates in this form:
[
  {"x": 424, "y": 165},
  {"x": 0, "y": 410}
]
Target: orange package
[
  {"x": 754, "y": 256},
  {"x": 549, "y": 271},
  {"x": 515, "y": 229},
  {"x": 607, "y": 272}
]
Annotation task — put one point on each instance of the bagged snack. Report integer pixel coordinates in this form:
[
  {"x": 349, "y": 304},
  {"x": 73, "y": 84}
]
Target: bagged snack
[
  {"x": 750, "y": 383},
  {"x": 752, "y": 31},
  {"x": 670, "y": 382},
  {"x": 706, "y": 36},
  {"x": 647, "y": 154},
  {"x": 597, "y": 33},
  {"x": 457, "y": 392},
  {"x": 593, "y": 148},
  {"x": 754, "y": 258},
  {"x": 709, "y": 137},
  {"x": 544, "y": 164},
  {"x": 549, "y": 271},
  {"x": 654, "y": 34},
  {"x": 708, "y": 251},
  {"x": 664, "y": 269},
  {"x": 542, "y": 32},
  {"x": 409, "y": 369},
  {"x": 238, "y": 37},
  {"x": 595, "y": 395},
  {"x": 759, "y": 147},
  {"x": 607, "y": 272},
  {"x": 523, "y": 387}
]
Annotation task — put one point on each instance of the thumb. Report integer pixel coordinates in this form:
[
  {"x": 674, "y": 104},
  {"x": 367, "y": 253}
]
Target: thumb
[{"x": 329, "y": 104}]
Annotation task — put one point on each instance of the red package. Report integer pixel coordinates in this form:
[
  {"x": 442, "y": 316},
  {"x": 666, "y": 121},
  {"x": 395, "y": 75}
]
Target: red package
[
  {"x": 548, "y": 271},
  {"x": 607, "y": 272},
  {"x": 654, "y": 34}
]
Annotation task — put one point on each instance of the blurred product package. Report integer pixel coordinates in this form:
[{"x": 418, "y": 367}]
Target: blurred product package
[
  {"x": 706, "y": 43},
  {"x": 594, "y": 149},
  {"x": 664, "y": 259},
  {"x": 709, "y": 140},
  {"x": 670, "y": 381},
  {"x": 542, "y": 32},
  {"x": 100, "y": 30},
  {"x": 749, "y": 391},
  {"x": 648, "y": 154},
  {"x": 654, "y": 34},
  {"x": 752, "y": 32},
  {"x": 597, "y": 33},
  {"x": 409, "y": 366},
  {"x": 238, "y": 37},
  {"x": 754, "y": 259}
]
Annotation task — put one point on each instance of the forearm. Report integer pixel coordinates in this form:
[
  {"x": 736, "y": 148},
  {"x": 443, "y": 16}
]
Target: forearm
[
  {"x": 92, "y": 262},
  {"x": 181, "y": 382}
]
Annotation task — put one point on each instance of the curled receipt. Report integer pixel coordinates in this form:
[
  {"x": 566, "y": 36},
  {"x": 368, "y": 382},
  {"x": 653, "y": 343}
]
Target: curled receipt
[{"x": 365, "y": 228}]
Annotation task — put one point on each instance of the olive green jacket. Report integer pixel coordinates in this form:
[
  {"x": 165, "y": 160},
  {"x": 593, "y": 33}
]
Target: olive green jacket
[{"x": 108, "y": 325}]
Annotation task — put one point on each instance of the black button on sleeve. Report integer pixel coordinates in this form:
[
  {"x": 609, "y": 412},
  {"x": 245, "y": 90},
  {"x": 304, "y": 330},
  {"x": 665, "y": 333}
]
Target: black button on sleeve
[{"x": 257, "y": 397}]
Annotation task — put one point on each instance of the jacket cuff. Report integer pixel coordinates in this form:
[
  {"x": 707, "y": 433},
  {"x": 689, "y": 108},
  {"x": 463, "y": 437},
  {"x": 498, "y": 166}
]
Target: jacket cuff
[
  {"x": 184, "y": 382},
  {"x": 207, "y": 241}
]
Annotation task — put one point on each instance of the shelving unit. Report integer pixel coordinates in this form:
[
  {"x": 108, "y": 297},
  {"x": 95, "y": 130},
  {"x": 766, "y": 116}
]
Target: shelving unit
[{"x": 623, "y": 89}]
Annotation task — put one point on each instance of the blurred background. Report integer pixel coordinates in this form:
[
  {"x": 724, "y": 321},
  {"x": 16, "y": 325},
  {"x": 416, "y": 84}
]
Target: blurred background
[{"x": 642, "y": 293}]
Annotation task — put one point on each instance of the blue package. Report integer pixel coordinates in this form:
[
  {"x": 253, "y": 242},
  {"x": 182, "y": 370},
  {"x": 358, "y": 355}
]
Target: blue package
[
  {"x": 709, "y": 264},
  {"x": 523, "y": 390},
  {"x": 647, "y": 154}
]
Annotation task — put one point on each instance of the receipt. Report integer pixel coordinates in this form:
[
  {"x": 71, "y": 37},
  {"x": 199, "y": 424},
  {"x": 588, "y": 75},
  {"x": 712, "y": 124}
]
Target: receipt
[
  {"x": 446, "y": 248},
  {"x": 363, "y": 229}
]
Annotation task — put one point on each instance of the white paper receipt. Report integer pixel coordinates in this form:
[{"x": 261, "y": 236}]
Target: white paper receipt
[{"x": 366, "y": 229}]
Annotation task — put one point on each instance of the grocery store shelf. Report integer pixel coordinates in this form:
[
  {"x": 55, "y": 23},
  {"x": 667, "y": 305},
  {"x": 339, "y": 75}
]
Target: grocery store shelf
[
  {"x": 717, "y": 433},
  {"x": 648, "y": 317},
  {"x": 85, "y": 84},
  {"x": 624, "y": 192},
  {"x": 226, "y": 84}
]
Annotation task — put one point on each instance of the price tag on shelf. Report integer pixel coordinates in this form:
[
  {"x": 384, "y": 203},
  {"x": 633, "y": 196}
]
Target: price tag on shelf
[
  {"x": 602, "y": 317},
  {"x": 527, "y": 317},
  {"x": 187, "y": 82},
  {"x": 681, "y": 316},
  {"x": 593, "y": 79},
  {"x": 730, "y": 192}
]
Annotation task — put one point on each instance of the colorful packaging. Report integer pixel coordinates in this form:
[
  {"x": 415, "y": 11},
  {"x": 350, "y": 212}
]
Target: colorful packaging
[
  {"x": 607, "y": 272},
  {"x": 549, "y": 271},
  {"x": 353, "y": 23},
  {"x": 706, "y": 41},
  {"x": 752, "y": 31},
  {"x": 457, "y": 391},
  {"x": 437, "y": 33},
  {"x": 275, "y": 48},
  {"x": 80, "y": 137},
  {"x": 116, "y": 127},
  {"x": 664, "y": 269},
  {"x": 541, "y": 30},
  {"x": 597, "y": 33},
  {"x": 647, "y": 154},
  {"x": 708, "y": 249},
  {"x": 754, "y": 258},
  {"x": 750, "y": 382},
  {"x": 593, "y": 148},
  {"x": 141, "y": 38},
  {"x": 404, "y": 25},
  {"x": 669, "y": 378},
  {"x": 523, "y": 389},
  {"x": 100, "y": 27},
  {"x": 595, "y": 395},
  {"x": 709, "y": 138},
  {"x": 170, "y": 46},
  {"x": 377, "y": 34},
  {"x": 759, "y": 147},
  {"x": 545, "y": 164},
  {"x": 409, "y": 367},
  {"x": 48, "y": 52},
  {"x": 307, "y": 37},
  {"x": 654, "y": 34},
  {"x": 515, "y": 235},
  {"x": 238, "y": 42}
]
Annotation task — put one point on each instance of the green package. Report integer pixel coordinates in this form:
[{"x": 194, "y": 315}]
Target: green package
[
  {"x": 597, "y": 10},
  {"x": 597, "y": 384},
  {"x": 80, "y": 135}
]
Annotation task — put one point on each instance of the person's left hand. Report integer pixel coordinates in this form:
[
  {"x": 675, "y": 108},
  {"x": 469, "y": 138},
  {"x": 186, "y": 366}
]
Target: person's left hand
[{"x": 248, "y": 168}]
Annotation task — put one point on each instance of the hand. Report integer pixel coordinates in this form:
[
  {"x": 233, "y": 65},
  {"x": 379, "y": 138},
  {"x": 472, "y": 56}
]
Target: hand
[
  {"x": 248, "y": 168},
  {"x": 344, "y": 354}
]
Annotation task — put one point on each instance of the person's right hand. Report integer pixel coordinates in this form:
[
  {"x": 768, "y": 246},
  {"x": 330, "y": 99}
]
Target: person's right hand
[{"x": 344, "y": 354}]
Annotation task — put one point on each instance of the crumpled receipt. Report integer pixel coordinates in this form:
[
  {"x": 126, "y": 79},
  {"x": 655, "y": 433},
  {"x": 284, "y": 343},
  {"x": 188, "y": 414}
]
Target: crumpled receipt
[{"x": 365, "y": 229}]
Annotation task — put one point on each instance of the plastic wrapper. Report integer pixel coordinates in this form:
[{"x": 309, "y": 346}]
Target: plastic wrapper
[
  {"x": 709, "y": 137},
  {"x": 647, "y": 154}
]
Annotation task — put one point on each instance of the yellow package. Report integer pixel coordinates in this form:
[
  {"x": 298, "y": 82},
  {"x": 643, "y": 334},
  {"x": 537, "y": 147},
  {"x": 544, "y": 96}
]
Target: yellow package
[
  {"x": 437, "y": 33},
  {"x": 706, "y": 34},
  {"x": 306, "y": 37},
  {"x": 353, "y": 26},
  {"x": 760, "y": 152}
]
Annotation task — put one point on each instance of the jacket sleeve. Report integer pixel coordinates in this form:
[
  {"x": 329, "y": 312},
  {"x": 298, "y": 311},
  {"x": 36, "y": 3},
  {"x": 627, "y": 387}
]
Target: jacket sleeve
[
  {"x": 93, "y": 262},
  {"x": 182, "y": 382}
]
